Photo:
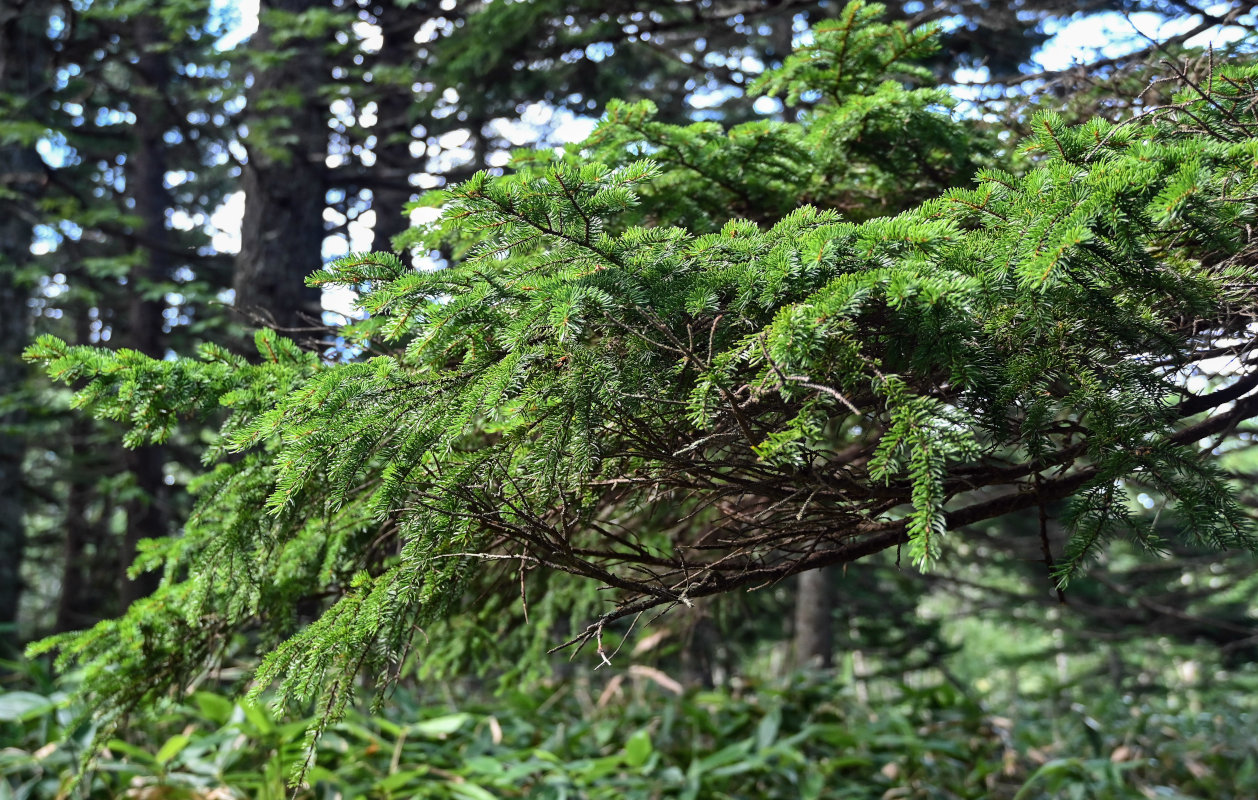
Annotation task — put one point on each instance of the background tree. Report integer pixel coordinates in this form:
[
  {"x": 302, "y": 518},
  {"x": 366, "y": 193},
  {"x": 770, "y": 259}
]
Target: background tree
[
  {"x": 22, "y": 65},
  {"x": 99, "y": 253}
]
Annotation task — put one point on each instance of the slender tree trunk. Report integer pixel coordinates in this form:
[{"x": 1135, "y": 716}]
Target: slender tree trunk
[
  {"x": 21, "y": 173},
  {"x": 814, "y": 625},
  {"x": 146, "y": 514},
  {"x": 81, "y": 601},
  {"x": 284, "y": 181},
  {"x": 698, "y": 656},
  {"x": 393, "y": 154},
  {"x": 12, "y": 438}
]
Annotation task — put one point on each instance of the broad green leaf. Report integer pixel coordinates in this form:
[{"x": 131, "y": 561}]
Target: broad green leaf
[
  {"x": 638, "y": 749},
  {"x": 213, "y": 706},
  {"x": 173, "y": 746},
  {"x": 400, "y": 779},
  {"x": 131, "y": 751},
  {"x": 470, "y": 791},
  {"x": 22, "y": 706},
  {"x": 441, "y": 727},
  {"x": 258, "y": 717},
  {"x": 767, "y": 732}
]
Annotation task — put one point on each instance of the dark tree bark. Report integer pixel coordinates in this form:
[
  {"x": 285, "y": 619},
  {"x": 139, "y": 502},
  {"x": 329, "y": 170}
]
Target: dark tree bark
[
  {"x": 814, "y": 624},
  {"x": 699, "y": 650},
  {"x": 89, "y": 580},
  {"x": 146, "y": 513},
  {"x": 284, "y": 180},
  {"x": 22, "y": 60},
  {"x": 13, "y": 337},
  {"x": 393, "y": 155}
]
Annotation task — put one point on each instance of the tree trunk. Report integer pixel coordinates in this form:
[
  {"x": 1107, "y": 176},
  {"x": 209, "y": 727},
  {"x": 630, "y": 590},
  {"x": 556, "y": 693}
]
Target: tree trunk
[
  {"x": 698, "y": 655},
  {"x": 814, "y": 624},
  {"x": 13, "y": 324},
  {"x": 22, "y": 58},
  {"x": 284, "y": 182},
  {"x": 146, "y": 513},
  {"x": 89, "y": 581},
  {"x": 393, "y": 153}
]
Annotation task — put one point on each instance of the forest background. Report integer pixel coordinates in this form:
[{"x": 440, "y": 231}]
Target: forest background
[{"x": 129, "y": 133}]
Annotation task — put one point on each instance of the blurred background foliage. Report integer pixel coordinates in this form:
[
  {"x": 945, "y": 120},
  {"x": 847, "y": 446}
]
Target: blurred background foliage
[{"x": 994, "y": 720}]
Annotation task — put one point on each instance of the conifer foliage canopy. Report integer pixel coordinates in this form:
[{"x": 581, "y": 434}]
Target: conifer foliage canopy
[{"x": 689, "y": 360}]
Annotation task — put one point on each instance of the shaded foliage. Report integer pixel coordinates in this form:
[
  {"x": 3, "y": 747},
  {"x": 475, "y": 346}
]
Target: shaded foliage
[{"x": 633, "y": 738}]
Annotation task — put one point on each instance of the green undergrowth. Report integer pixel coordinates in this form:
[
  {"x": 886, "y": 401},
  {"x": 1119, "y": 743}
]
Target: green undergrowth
[{"x": 809, "y": 738}]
